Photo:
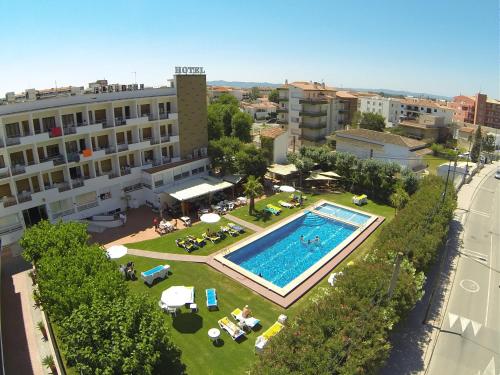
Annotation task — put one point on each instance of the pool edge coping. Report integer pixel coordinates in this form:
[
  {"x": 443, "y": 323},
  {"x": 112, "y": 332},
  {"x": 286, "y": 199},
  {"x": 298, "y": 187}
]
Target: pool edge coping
[{"x": 313, "y": 269}]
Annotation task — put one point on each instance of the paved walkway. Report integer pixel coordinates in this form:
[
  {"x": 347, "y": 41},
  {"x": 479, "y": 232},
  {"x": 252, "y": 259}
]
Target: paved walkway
[
  {"x": 169, "y": 256},
  {"x": 245, "y": 223}
]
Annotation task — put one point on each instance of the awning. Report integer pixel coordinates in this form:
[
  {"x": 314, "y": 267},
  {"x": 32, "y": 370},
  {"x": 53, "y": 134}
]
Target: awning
[
  {"x": 233, "y": 178},
  {"x": 330, "y": 174},
  {"x": 282, "y": 169},
  {"x": 319, "y": 177},
  {"x": 196, "y": 187}
]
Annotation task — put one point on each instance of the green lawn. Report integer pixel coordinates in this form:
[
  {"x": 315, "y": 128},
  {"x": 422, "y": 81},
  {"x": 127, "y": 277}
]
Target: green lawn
[
  {"x": 434, "y": 162},
  {"x": 263, "y": 220},
  {"x": 189, "y": 330},
  {"x": 166, "y": 243}
]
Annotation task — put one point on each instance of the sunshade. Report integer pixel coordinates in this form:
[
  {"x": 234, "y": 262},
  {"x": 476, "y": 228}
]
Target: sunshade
[
  {"x": 330, "y": 174},
  {"x": 177, "y": 296},
  {"x": 287, "y": 189},
  {"x": 116, "y": 251},
  {"x": 210, "y": 218},
  {"x": 318, "y": 177}
]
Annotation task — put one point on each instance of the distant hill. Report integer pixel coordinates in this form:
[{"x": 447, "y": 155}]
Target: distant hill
[
  {"x": 242, "y": 84},
  {"x": 389, "y": 92}
]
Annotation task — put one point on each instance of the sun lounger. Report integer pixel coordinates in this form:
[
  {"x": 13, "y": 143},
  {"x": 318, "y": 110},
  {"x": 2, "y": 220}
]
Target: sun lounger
[
  {"x": 274, "y": 207},
  {"x": 285, "y": 204},
  {"x": 236, "y": 227},
  {"x": 212, "y": 238},
  {"x": 360, "y": 199},
  {"x": 228, "y": 230},
  {"x": 196, "y": 240},
  {"x": 231, "y": 328},
  {"x": 263, "y": 339},
  {"x": 151, "y": 275},
  {"x": 250, "y": 321},
  {"x": 269, "y": 208},
  {"x": 211, "y": 298}
]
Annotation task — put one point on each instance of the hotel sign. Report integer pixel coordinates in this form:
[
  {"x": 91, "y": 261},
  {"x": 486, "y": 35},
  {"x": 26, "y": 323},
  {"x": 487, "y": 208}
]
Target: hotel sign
[{"x": 189, "y": 70}]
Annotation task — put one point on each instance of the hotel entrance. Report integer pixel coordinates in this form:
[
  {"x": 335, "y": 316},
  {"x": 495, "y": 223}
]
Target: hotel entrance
[{"x": 34, "y": 215}]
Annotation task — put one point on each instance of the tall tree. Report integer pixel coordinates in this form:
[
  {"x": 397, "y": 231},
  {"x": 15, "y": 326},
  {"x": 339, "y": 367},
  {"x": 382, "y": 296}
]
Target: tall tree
[
  {"x": 274, "y": 96},
  {"x": 223, "y": 153},
  {"x": 227, "y": 99},
  {"x": 372, "y": 121},
  {"x": 214, "y": 122},
  {"x": 399, "y": 199},
  {"x": 241, "y": 124},
  {"x": 476, "y": 146},
  {"x": 251, "y": 161},
  {"x": 489, "y": 143},
  {"x": 355, "y": 120},
  {"x": 253, "y": 189}
]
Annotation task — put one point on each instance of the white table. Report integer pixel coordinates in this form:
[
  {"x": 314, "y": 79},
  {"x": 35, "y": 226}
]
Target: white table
[{"x": 214, "y": 334}]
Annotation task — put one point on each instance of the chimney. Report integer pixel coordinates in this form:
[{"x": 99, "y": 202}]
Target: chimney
[
  {"x": 286, "y": 81},
  {"x": 323, "y": 85}
]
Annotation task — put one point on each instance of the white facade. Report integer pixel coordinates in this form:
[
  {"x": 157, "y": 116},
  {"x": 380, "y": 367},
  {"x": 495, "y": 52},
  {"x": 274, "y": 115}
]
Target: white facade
[
  {"x": 412, "y": 108},
  {"x": 74, "y": 157},
  {"x": 387, "y": 107}
]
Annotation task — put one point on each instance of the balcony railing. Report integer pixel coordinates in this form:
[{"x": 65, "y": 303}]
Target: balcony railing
[
  {"x": 165, "y": 138},
  {"x": 4, "y": 172},
  {"x": 113, "y": 175},
  {"x": 125, "y": 171},
  {"x": 119, "y": 121},
  {"x": 313, "y": 113},
  {"x": 24, "y": 197},
  {"x": 18, "y": 169},
  {"x": 9, "y": 201},
  {"x": 313, "y": 101},
  {"x": 69, "y": 130},
  {"x": 134, "y": 187},
  {"x": 73, "y": 157},
  {"x": 1, "y": 143},
  {"x": 63, "y": 213},
  {"x": 122, "y": 147},
  {"x": 77, "y": 182},
  {"x": 63, "y": 186},
  {"x": 163, "y": 116},
  {"x": 11, "y": 141},
  {"x": 154, "y": 141},
  {"x": 110, "y": 150},
  {"x": 106, "y": 124},
  {"x": 10, "y": 229},
  {"x": 162, "y": 161},
  {"x": 58, "y": 160},
  {"x": 87, "y": 206}
]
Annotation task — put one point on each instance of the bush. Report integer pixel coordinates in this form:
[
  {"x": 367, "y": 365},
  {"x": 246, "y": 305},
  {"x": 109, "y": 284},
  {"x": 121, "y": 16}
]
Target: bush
[{"x": 346, "y": 329}]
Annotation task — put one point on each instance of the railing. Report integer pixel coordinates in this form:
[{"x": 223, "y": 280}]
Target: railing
[
  {"x": 165, "y": 138},
  {"x": 106, "y": 124},
  {"x": 110, "y": 150},
  {"x": 4, "y": 173},
  {"x": 58, "y": 160},
  {"x": 313, "y": 101},
  {"x": 1, "y": 143},
  {"x": 125, "y": 171},
  {"x": 122, "y": 147},
  {"x": 77, "y": 182},
  {"x": 154, "y": 141},
  {"x": 10, "y": 229},
  {"x": 80, "y": 124},
  {"x": 73, "y": 157},
  {"x": 18, "y": 169},
  {"x": 163, "y": 116},
  {"x": 134, "y": 187},
  {"x": 9, "y": 201},
  {"x": 312, "y": 113},
  {"x": 63, "y": 186},
  {"x": 163, "y": 161},
  {"x": 113, "y": 175},
  {"x": 120, "y": 121},
  {"x": 63, "y": 213},
  {"x": 23, "y": 197},
  {"x": 84, "y": 207},
  {"x": 69, "y": 130},
  {"x": 11, "y": 141}
]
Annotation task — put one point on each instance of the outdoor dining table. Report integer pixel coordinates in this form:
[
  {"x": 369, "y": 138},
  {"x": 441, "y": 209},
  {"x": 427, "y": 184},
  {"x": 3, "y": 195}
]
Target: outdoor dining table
[{"x": 214, "y": 334}]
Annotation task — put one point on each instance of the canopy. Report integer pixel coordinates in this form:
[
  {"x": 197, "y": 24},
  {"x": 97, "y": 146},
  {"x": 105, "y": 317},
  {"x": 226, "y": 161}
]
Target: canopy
[
  {"x": 197, "y": 187},
  {"x": 210, "y": 218},
  {"x": 318, "y": 177},
  {"x": 116, "y": 251},
  {"x": 330, "y": 174},
  {"x": 287, "y": 189},
  {"x": 177, "y": 296},
  {"x": 282, "y": 169}
]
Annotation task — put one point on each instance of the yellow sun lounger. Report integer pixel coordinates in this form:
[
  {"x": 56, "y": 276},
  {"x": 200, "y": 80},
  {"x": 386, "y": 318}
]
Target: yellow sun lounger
[
  {"x": 263, "y": 339},
  {"x": 231, "y": 328}
]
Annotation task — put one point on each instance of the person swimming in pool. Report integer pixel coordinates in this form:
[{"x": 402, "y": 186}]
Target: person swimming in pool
[
  {"x": 302, "y": 240},
  {"x": 316, "y": 239}
]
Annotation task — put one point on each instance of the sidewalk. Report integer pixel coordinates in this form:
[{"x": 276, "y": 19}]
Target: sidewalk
[{"x": 412, "y": 341}]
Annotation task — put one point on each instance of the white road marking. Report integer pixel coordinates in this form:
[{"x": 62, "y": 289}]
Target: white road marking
[
  {"x": 481, "y": 213},
  {"x": 490, "y": 368},
  {"x": 489, "y": 283},
  {"x": 475, "y": 327},
  {"x": 453, "y": 318},
  {"x": 470, "y": 285},
  {"x": 476, "y": 256},
  {"x": 464, "y": 322}
]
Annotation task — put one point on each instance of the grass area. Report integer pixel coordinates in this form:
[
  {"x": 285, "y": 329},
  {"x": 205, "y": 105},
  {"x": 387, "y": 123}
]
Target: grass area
[
  {"x": 189, "y": 330},
  {"x": 166, "y": 243},
  {"x": 263, "y": 219},
  {"x": 434, "y": 162}
]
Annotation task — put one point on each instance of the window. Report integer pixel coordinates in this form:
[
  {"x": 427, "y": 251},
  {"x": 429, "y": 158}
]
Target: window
[
  {"x": 435, "y": 110},
  {"x": 177, "y": 177},
  {"x": 194, "y": 171},
  {"x": 202, "y": 169},
  {"x": 185, "y": 174}
]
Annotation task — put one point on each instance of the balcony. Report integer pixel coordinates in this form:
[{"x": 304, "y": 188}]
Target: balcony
[
  {"x": 8, "y": 201},
  {"x": 154, "y": 141},
  {"x": 163, "y": 116},
  {"x": 73, "y": 157},
  {"x": 57, "y": 160},
  {"x": 57, "y": 215},
  {"x": 10, "y": 229},
  {"x": 313, "y": 101},
  {"x": 165, "y": 138},
  {"x": 110, "y": 150},
  {"x": 112, "y": 175},
  {"x": 162, "y": 161},
  {"x": 122, "y": 147},
  {"x": 119, "y": 121},
  {"x": 321, "y": 125},
  {"x": 137, "y": 121},
  {"x": 24, "y": 197},
  {"x": 313, "y": 113},
  {"x": 63, "y": 186},
  {"x": 4, "y": 172},
  {"x": 18, "y": 169},
  {"x": 69, "y": 130},
  {"x": 55, "y": 132},
  {"x": 1, "y": 143},
  {"x": 87, "y": 206},
  {"x": 77, "y": 182},
  {"x": 12, "y": 141},
  {"x": 106, "y": 125}
]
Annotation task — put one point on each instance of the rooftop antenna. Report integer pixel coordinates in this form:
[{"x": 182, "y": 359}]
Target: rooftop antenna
[{"x": 135, "y": 77}]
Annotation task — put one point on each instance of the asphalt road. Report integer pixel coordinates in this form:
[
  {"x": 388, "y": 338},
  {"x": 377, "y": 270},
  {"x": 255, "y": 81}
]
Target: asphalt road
[{"x": 469, "y": 339}]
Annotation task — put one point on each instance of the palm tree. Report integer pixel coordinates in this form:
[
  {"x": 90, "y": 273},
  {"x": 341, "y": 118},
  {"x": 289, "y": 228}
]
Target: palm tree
[{"x": 253, "y": 188}]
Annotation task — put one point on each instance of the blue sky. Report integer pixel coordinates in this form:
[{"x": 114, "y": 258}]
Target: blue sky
[{"x": 442, "y": 47}]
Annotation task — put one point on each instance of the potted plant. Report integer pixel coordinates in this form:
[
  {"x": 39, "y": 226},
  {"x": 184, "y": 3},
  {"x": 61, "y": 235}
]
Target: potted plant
[
  {"x": 42, "y": 329},
  {"x": 48, "y": 361},
  {"x": 37, "y": 298}
]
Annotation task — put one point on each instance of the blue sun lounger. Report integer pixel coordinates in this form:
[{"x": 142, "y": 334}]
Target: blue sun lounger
[{"x": 211, "y": 298}]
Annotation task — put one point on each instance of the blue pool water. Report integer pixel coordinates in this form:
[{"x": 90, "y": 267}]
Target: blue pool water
[
  {"x": 280, "y": 257},
  {"x": 343, "y": 213}
]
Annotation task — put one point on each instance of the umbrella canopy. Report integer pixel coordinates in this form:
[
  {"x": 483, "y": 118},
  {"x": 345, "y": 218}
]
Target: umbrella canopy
[
  {"x": 318, "y": 177},
  {"x": 330, "y": 174},
  {"x": 287, "y": 189},
  {"x": 210, "y": 218},
  {"x": 117, "y": 251},
  {"x": 177, "y": 296}
]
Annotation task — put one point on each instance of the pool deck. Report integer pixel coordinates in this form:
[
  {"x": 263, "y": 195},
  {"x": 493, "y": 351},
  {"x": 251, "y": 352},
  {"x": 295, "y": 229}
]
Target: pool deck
[{"x": 306, "y": 285}]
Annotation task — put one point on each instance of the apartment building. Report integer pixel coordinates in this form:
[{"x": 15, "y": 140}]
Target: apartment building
[
  {"x": 214, "y": 92},
  {"x": 310, "y": 111},
  {"x": 412, "y": 108},
  {"x": 73, "y": 157},
  {"x": 261, "y": 109},
  {"x": 477, "y": 110},
  {"x": 464, "y": 108},
  {"x": 390, "y": 108}
]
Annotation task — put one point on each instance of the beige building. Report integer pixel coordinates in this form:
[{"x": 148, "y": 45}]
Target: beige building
[
  {"x": 261, "y": 109},
  {"x": 74, "y": 157},
  {"x": 427, "y": 128}
]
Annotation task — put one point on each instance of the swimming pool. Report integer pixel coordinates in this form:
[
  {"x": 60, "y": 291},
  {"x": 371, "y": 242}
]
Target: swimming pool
[{"x": 282, "y": 257}]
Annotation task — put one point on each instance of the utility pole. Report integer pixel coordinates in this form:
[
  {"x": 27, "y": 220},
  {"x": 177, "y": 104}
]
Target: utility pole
[
  {"x": 395, "y": 275},
  {"x": 446, "y": 183}
]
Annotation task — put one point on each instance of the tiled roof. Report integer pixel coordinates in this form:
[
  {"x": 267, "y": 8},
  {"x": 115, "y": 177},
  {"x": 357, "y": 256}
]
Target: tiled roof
[
  {"x": 381, "y": 137},
  {"x": 345, "y": 95},
  {"x": 271, "y": 132},
  {"x": 423, "y": 103},
  {"x": 311, "y": 86}
]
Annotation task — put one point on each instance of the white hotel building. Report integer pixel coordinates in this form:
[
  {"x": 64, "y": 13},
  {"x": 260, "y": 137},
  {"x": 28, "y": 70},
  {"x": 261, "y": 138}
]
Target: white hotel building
[
  {"x": 387, "y": 107},
  {"x": 73, "y": 157}
]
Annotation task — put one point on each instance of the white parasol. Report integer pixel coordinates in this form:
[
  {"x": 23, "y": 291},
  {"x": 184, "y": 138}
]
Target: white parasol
[
  {"x": 177, "y": 296},
  {"x": 116, "y": 251},
  {"x": 287, "y": 189},
  {"x": 210, "y": 218}
]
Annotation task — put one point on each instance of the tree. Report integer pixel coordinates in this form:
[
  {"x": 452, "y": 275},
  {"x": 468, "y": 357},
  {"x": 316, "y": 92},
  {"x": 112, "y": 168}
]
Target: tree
[
  {"x": 355, "y": 120},
  {"x": 241, "y": 124},
  {"x": 253, "y": 188},
  {"x": 372, "y": 121},
  {"x": 223, "y": 153},
  {"x": 489, "y": 143},
  {"x": 476, "y": 146},
  {"x": 126, "y": 335},
  {"x": 409, "y": 181},
  {"x": 399, "y": 199},
  {"x": 274, "y": 96},
  {"x": 227, "y": 99},
  {"x": 254, "y": 93},
  {"x": 45, "y": 237},
  {"x": 214, "y": 122},
  {"x": 251, "y": 161}
]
